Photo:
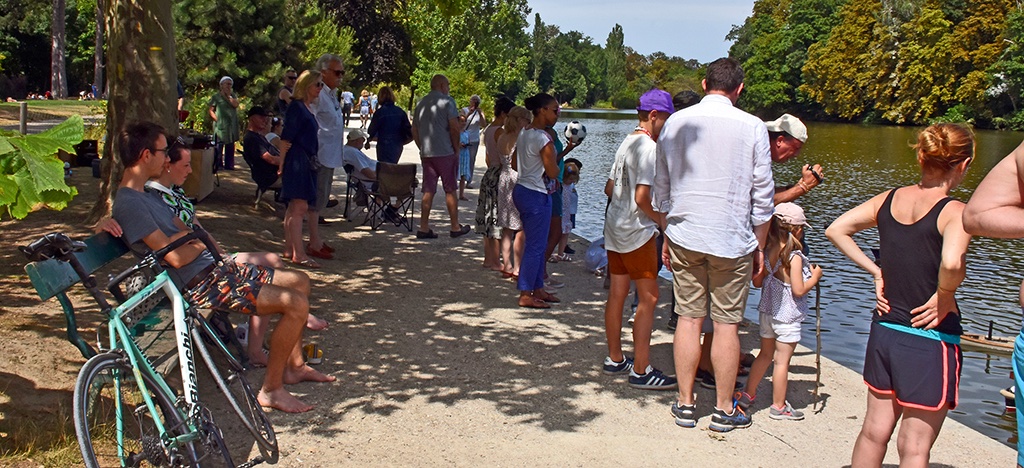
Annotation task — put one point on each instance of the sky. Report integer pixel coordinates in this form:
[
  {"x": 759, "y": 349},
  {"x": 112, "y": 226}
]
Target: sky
[{"x": 691, "y": 29}]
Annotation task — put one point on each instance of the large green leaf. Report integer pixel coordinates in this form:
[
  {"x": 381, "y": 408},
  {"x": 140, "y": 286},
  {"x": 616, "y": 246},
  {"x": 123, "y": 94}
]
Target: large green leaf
[
  {"x": 47, "y": 172},
  {"x": 8, "y": 189},
  {"x": 64, "y": 136},
  {"x": 5, "y": 146}
]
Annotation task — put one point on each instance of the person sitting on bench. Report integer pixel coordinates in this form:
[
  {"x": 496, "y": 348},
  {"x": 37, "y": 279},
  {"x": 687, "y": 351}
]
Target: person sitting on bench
[
  {"x": 168, "y": 187},
  {"x": 241, "y": 288}
]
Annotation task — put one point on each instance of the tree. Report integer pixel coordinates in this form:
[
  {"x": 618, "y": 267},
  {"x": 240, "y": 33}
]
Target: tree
[
  {"x": 140, "y": 44},
  {"x": 381, "y": 39},
  {"x": 97, "y": 75},
  {"x": 58, "y": 75},
  {"x": 615, "y": 53}
]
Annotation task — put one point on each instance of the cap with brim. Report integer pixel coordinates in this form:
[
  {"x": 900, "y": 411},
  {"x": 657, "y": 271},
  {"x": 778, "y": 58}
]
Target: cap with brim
[
  {"x": 791, "y": 214},
  {"x": 656, "y": 99},
  {"x": 790, "y": 125},
  {"x": 258, "y": 110},
  {"x": 356, "y": 134}
]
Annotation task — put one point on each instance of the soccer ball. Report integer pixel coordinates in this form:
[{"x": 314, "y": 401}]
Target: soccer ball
[{"x": 575, "y": 132}]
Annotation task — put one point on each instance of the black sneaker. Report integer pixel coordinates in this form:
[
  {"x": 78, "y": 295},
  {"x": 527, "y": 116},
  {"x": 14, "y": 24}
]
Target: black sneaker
[
  {"x": 569, "y": 250},
  {"x": 654, "y": 379},
  {"x": 613, "y": 368},
  {"x": 722, "y": 422},
  {"x": 332, "y": 203},
  {"x": 686, "y": 415},
  {"x": 672, "y": 321}
]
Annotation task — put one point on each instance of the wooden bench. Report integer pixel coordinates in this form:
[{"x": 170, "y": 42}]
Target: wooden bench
[{"x": 54, "y": 278}]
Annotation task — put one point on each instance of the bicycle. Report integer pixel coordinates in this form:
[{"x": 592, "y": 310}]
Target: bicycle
[{"x": 125, "y": 412}]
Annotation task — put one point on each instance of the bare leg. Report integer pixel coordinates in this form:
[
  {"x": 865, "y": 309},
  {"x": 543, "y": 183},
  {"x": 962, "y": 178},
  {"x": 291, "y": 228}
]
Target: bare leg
[
  {"x": 705, "y": 352},
  {"x": 425, "y": 203},
  {"x": 293, "y": 307},
  {"x": 918, "y": 432},
  {"x": 462, "y": 189},
  {"x": 760, "y": 366},
  {"x": 453, "y": 210},
  {"x": 879, "y": 422},
  {"x": 686, "y": 351},
  {"x": 613, "y": 316},
  {"x": 507, "y": 236},
  {"x": 492, "y": 259},
  {"x": 554, "y": 235},
  {"x": 294, "y": 215},
  {"x": 643, "y": 324},
  {"x": 725, "y": 357},
  {"x": 562, "y": 243},
  {"x": 780, "y": 376},
  {"x": 518, "y": 247}
]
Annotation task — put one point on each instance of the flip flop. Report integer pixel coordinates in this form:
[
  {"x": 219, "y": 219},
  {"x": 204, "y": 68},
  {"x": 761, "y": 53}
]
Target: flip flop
[
  {"x": 322, "y": 253},
  {"x": 308, "y": 263},
  {"x": 548, "y": 297},
  {"x": 314, "y": 355}
]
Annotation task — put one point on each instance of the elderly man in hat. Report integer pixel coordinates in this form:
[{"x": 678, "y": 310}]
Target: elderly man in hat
[
  {"x": 224, "y": 112},
  {"x": 787, "y": 136}
]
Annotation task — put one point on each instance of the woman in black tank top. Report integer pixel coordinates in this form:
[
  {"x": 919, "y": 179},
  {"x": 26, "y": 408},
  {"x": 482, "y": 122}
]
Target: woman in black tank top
[{"x": 913, "y": 355}]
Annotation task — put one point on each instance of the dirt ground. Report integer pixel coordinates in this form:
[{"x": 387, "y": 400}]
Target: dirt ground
[{"x": 436, "y": 366}]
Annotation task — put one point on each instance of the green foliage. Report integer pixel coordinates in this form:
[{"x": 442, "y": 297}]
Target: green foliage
[
  {"x": 329, "y": 38},
  {"x": 31, "y": 176}
]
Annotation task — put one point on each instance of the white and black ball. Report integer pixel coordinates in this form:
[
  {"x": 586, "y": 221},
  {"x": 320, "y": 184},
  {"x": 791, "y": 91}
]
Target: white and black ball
[{"x": 575, "y": 132}]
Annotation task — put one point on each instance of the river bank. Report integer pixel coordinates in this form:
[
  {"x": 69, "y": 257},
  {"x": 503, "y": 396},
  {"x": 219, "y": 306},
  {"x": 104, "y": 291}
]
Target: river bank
[{"x": 437, "y": 366}]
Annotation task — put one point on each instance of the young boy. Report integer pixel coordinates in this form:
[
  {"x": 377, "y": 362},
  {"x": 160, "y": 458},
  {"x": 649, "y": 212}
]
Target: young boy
[{"x": 630, "y": 231}]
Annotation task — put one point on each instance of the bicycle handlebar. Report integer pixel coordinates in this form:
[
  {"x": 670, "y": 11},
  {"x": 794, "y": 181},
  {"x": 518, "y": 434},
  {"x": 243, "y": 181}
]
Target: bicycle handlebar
[{"x": 53, "y": 245}]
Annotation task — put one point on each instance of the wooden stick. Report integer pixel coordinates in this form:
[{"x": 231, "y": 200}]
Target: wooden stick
[{"x": 817, "y": 334}]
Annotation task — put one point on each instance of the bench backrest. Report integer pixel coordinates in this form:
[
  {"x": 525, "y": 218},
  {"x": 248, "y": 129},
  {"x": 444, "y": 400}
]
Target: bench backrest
[{"x": 52, "y": 277}]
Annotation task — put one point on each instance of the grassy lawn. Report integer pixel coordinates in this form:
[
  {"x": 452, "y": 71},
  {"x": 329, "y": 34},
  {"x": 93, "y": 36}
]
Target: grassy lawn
[{"x": 47, "y": 110}]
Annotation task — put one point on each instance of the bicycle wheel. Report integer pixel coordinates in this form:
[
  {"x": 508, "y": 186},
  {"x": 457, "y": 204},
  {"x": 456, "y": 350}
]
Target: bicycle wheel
[
  {"x": 229, "y": 375},
  {"x": 105, "y": 388}
]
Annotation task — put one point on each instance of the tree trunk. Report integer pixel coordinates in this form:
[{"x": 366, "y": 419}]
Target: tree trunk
[
  {"x": 58, "y": 75},
  {"x": 97, "y": 70},
  {"x": 141, "y": 82}
]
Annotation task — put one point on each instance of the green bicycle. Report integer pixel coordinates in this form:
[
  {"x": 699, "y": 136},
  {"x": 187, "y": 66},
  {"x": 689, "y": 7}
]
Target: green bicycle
[{"x": 125, "y": 412}]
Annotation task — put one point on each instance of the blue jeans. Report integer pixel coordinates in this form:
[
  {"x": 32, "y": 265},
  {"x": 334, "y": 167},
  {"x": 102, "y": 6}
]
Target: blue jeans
[{"x": 535, "y": 212}]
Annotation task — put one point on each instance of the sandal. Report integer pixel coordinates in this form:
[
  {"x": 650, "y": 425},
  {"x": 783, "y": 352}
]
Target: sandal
[
  {"x": 554, "y": 258},
  {"x": 547, "y": 297},
  {"x": 534, "y": 303},
  {"x": 322, "y": 253},
  {"x": 308, "y": 263},
  {"x": 327, "y": 248}
]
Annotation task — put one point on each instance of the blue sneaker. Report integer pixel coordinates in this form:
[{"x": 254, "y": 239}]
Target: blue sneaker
[
  {"x": 614, "y": 368},
  {"x": 721, "y": 422},
  {"x": 654, "y": 379},
  {"x": 685, "y": 414}
]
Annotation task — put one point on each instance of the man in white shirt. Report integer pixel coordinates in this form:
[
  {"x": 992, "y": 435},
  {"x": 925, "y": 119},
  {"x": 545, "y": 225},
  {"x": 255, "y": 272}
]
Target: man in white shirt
[
  {"x": 330, "y": 137},
  {"x": 714, "y": 183}
]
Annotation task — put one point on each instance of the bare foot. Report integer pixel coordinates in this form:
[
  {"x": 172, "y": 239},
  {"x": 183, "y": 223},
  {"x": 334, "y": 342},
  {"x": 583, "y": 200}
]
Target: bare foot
[
  {"x": 463, "y": 198},
  {"x": 281, "y": 400},
  {"x": 259, "y": 359},
  {"x": 491, "y": 267},
  {"x": 315, "y": 323},
  {"x": 533, "y": 303},
  {"x": 546, "y": 297},
  {"x": 305, "y": 374}
]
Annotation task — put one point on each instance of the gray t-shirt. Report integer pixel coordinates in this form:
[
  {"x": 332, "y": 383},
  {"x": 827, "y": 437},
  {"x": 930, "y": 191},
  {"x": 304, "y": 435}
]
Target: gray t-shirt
[
  {"x": 140, "y": 214},
  {"x": 431, "y": 120}
]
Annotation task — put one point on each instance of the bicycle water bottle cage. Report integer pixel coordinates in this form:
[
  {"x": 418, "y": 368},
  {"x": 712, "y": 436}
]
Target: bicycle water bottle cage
[{"x": 54, "y": 245}]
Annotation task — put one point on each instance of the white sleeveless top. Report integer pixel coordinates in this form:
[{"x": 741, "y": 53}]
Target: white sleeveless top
[{"x": 777, "y": 297}]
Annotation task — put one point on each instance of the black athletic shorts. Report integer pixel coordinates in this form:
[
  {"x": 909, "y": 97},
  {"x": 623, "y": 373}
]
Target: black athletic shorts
[{"x": 920, "y": 372}]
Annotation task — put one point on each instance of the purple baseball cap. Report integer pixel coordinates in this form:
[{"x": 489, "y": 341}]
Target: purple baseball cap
[{"x": 656, "y": 99}]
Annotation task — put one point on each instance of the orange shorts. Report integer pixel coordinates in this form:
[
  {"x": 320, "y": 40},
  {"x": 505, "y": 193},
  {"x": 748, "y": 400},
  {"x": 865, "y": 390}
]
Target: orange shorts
[{"x": 641, "y": 263}]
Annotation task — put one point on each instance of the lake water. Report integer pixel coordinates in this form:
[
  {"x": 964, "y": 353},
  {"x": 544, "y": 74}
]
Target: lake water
[{"x": 860, "y": 161}]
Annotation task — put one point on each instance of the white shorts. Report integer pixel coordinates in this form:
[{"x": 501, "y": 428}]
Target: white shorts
[{"x": 779, "y": 331}]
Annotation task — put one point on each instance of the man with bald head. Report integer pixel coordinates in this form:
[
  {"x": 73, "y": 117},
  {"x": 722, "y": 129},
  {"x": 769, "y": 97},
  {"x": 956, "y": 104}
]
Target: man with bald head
[{"x": 436, "y": 128}]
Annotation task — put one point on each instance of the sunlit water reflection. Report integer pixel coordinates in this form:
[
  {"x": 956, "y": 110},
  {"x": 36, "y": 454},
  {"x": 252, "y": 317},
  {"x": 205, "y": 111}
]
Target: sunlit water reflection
[{"x": 859, "y": 162}]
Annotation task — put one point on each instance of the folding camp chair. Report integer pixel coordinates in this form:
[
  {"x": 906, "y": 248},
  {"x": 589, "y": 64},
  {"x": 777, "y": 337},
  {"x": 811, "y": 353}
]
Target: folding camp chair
[
  {"x": 356, "y": 194},
  {"x": 398, "y": 182}
]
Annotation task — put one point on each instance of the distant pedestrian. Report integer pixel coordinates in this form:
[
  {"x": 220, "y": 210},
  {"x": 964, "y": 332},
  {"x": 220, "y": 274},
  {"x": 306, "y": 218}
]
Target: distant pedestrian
[
  {"x": 390, "y": 128},
  {"x": 487, "y": 202},
  {"x": 364, "y": 109},
  {"x": 435, "y": 128},
  {"x": 284, "y": 95},
  {"x": 475, "y": 121},
  {"x": 224, "y": 112},
  {"x": 347, "y": 99}
]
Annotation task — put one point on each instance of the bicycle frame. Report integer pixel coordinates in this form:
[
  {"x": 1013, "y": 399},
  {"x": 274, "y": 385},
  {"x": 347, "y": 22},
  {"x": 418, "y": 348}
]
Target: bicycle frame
[{"x": 121, "y": 338}]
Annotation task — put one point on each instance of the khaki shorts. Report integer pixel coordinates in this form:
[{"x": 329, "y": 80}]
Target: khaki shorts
[
  {"x": 696, "y": 277},
  {"x": 641, "y": 263}
]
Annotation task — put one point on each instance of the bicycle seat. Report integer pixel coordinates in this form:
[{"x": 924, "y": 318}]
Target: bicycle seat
[{"x": 54, "y": 245}]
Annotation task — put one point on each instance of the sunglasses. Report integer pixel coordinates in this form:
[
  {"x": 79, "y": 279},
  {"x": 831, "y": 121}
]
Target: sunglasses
[
  {"x": 338, "y": 73},
  {"x": 319, "y": 84},
  {"x": 291, "y": 77}
]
